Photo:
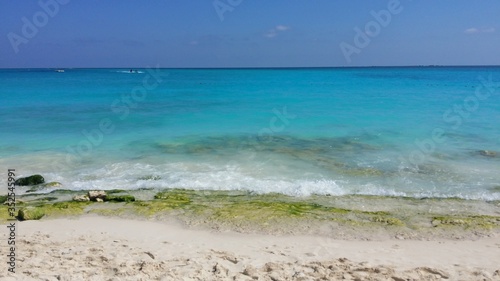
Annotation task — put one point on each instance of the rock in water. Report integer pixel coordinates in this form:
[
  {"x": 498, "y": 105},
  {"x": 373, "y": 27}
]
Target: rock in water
[
  {"x": 52, "y": 184},
  {"x": 81, "y": 198},
  {"x": 97, "y": 194},
  {"x": 487, "y": 153},
  {"x": 30, "y": 214},
  {"x": 31, "y": 180}
]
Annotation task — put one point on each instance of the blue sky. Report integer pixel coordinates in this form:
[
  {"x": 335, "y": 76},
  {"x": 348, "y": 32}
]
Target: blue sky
[{"x": 248, "y": 33}]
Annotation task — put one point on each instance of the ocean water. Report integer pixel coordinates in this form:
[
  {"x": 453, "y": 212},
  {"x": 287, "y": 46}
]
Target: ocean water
[{"x": 419, "y": 132}]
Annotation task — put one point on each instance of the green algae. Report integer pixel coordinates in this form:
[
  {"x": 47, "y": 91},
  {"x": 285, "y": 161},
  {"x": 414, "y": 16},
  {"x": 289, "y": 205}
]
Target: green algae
[
  {"x": 114, "y": 212},
  {"x": 120, "y": 198},
  {"x": 259, "y": 208},
  {"x": 388, "y": 221},
  {"x": 155, "y": 207},
  {"x": 114, "y": 191},
  {"x": 174, "y": 195},
  {"x": 4, "y": 214},
  {"x": 234, "y": 205},
  {"x": 242, "y": 209},
  {"x": 30, "y": 213},
  {"x": 47, "y": 198},
  {"x": 481, "y": 221},
  {"x": 57, "y": 209},
  {"x": 262, "y": 213},
  {"x": 372, "y": 213},
  {"x": 54, "y": 193}
]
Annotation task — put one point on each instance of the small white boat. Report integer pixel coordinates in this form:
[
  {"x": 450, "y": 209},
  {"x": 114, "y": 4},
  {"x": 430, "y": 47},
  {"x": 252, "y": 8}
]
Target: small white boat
[{"x": 60, "y": 70}]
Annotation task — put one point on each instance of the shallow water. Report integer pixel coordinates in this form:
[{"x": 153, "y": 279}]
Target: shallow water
[{"x": 382, "y": 131}]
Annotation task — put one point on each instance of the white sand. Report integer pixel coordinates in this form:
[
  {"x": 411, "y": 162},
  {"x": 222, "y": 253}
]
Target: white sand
[{"x": 97, "y": 248}]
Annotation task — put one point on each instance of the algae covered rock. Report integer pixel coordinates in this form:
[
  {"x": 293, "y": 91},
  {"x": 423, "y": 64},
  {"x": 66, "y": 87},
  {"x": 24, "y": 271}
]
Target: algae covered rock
[
  {"x": 120, "y": 198},
  {"x": 112, "y": 191},
  {"x": 31, "y": 180},
  {"x": 487, "y": 153},
  {"x": 81, "y": 198},
  {"x": 97, "y": 194},
  {"x": 25, "y": 214},
  {"x": 52, "y": 184},
  {"x": 173, "y": 195},
  {"x": 47, "y": 199}
]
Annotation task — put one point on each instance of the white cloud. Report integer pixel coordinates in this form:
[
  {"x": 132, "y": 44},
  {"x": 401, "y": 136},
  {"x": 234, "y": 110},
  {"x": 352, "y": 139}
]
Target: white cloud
[
  {"x": 274, "y": 31},
  {"x": 474, "y": 30},
  {"x": 282, "y": 27},
  {"x": 271, "y": 34},
  {"x": 471, "y": 30}
]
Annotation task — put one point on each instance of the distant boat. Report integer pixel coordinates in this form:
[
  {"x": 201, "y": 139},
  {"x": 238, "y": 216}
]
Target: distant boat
[{"x": 60, "y": 70}]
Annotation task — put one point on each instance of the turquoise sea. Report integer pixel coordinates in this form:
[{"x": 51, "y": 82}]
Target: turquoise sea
[{"x": 408, "y": 131}]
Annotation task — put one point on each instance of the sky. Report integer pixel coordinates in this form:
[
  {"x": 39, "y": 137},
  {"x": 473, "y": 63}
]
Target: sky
[{"x": 248, "y": 33}]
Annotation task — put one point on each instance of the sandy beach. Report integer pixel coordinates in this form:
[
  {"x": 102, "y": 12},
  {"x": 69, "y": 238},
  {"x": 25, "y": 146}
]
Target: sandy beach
[
  {"x": 233, "y": 140},
  {"x": 98, "y": 248}
]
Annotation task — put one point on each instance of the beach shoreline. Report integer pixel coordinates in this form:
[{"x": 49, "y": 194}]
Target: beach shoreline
[{"x": 349, "y": 217}]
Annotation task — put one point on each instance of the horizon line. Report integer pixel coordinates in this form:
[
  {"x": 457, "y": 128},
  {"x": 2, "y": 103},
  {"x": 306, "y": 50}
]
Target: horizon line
[{"x": 266, "y": 67}]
